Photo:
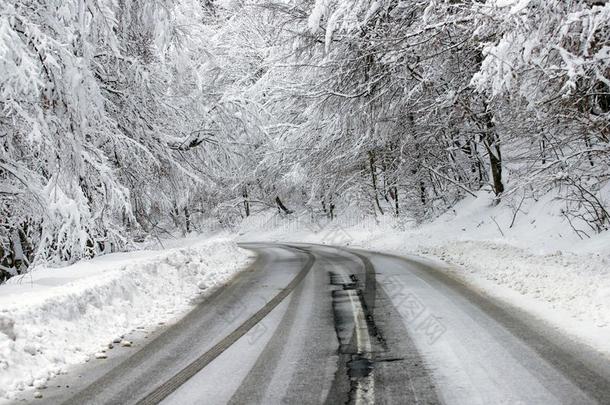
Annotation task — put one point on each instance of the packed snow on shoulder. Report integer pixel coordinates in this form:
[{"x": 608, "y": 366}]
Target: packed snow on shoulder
[{"x": 53, "y": 318}]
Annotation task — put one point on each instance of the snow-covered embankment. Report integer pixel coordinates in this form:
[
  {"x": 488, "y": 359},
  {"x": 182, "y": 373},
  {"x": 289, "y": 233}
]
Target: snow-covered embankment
[{"x": 53, "y": 318}]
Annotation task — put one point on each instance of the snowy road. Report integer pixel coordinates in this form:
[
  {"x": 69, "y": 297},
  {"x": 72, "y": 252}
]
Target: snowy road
[{"x": 314, "y": 324}]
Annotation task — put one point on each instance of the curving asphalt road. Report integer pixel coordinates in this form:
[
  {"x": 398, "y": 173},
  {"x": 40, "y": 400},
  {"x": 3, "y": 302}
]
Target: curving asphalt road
[{"x": 308, "y": 324}]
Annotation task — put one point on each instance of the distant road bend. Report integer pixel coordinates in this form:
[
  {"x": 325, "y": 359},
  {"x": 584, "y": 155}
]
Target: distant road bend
[{"x": 310, "y": 324}]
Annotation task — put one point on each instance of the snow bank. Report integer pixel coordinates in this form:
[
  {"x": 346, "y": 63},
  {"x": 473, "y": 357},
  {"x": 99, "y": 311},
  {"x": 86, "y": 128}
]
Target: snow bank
[
  {"x": 575, "y": 285},
  {"x": 53, "y": 318},
  {"x": 532, "y": 260}
]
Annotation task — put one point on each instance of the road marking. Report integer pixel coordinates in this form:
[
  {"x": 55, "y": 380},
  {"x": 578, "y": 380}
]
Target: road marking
[
  {"x": 171, "y": 385},
  {"x": 365, "y": 388}
]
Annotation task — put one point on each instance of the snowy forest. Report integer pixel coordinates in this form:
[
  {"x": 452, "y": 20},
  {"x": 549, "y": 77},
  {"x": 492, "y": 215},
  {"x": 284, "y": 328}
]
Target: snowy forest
[{"x": 121, "y": 118}]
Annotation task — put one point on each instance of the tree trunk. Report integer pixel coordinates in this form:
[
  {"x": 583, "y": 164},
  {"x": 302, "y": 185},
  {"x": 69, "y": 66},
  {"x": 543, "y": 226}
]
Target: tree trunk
[
  {"x": 492, "y": 145},
  {"x": 394, "y": 194},
  {"x": 374, "y": 178},
  {"x": 5, "y": 262},
  {"x": 281, "y": 206},
  {"x": 187, "y": 219},
  {"x": 543, "y": 150},
  {"x": 418, "y": 161},
  {"x": 588, "y": 145},
  {"x": 385, "y": 180},
  {"x": 246, "y": 202}
]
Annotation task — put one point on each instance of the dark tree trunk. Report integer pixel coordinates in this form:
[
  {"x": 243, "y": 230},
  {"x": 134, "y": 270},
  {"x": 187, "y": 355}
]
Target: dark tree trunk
[
  {"x": 543, "y": 150},
  {"x": 385, "y": 180},
  {"x": 492, "y": 145},
  {"x": 246, "y": 202},
  {"x": 281, "y": 206},
  {"x": 374, "y": 178},
  {"x": 187, "y": 219},
  {"x": 588, "y": 145},
  {"x": 418, "y": 161},
  {"x": 422, "y": 192},
  {"x": 394, "y": 195}
]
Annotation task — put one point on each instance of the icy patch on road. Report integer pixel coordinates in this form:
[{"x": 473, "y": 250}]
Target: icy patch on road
[{"x": 53, "y": 318}]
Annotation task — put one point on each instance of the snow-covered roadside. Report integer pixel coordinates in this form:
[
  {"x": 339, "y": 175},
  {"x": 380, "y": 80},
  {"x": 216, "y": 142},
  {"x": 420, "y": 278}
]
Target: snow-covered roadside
[
  {"x": 539, "y": 264},
  {"x": 567, "y": 290},
  {"x": 53, "y": 318}
]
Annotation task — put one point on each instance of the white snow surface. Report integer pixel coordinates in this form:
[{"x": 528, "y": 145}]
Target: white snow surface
[
  {"x": 56, "y": 317},
  {"x": 539, "y": 264}
]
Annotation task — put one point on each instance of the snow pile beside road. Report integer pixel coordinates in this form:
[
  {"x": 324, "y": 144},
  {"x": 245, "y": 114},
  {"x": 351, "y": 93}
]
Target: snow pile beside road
[
  {"x": 53, "y": 318},
  {"x": 575, "y": 284}
]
